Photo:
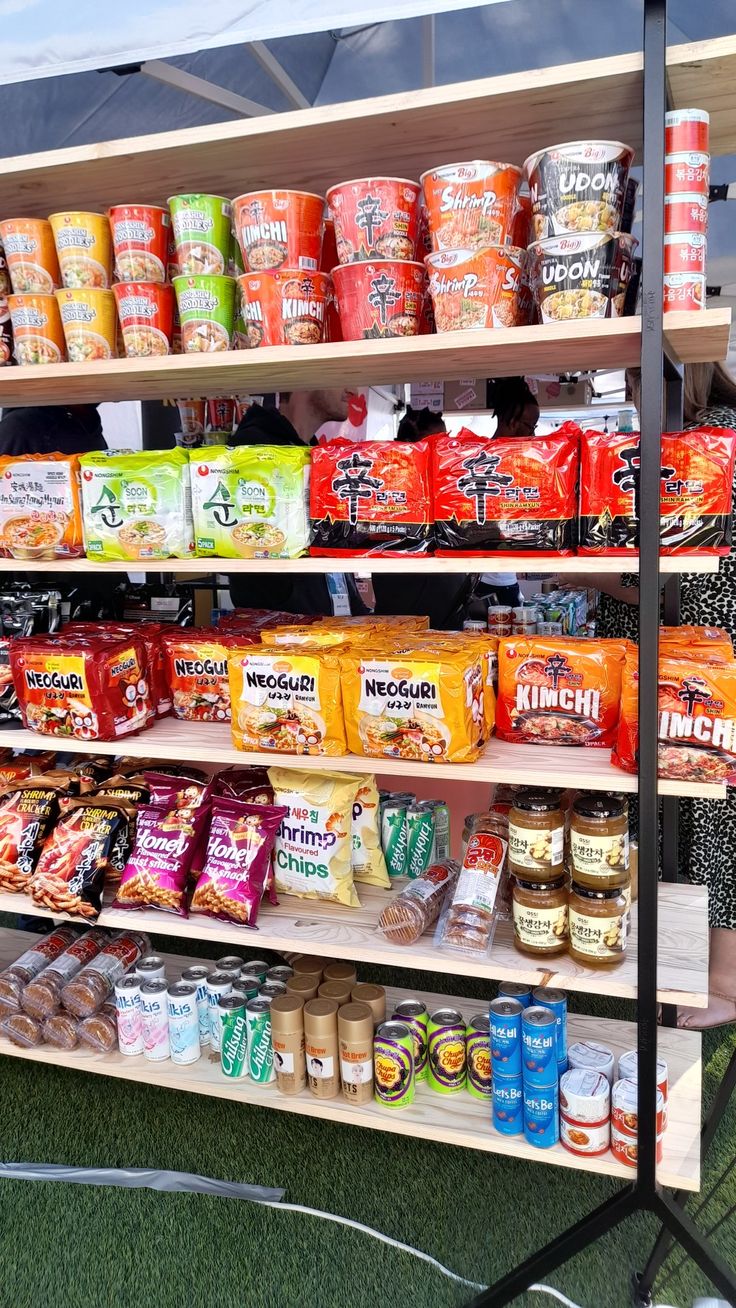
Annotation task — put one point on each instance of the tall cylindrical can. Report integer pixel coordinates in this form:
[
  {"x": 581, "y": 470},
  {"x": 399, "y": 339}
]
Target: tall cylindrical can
[
  {"x": 395, "y": 836},
  {"x": 322, "y": 1047},
  {"x": 233, "y": 1036},
  {"x": 183, "y": 1022},
  {"x": 539, "y": 1047},
  {"x": 198, "y": 974},
  {"x": 355, "y": 1035},
  {"x": 128, "y": 1015},
  {"x": 446, "y": 1051},
  {"x": 155, "y": 1019},
  {"x": 508, "y": 1104},
  {"x": 287, "y": 1040},
  {"x": 516, "y": 990},
  {"x": 272, "y": 989},
  {"x": 373, "y": 996},
  {"x": 255, "y": 967},
  {"x": 393, "y": 1063},
  {"x": 441, "y": 843},
  {"x": 541, "y": 1115},
  {"x": 260, "y": 1051},
  {"x": 414, "y": 1014},
  {"x": 556, "y": 1002},
  {"x": 505, "y": 1016},
  {"x": 478, "y": 1056},
  {"x": 420, "y": 822},
  {"x": 229, "y": 963},
  {"x": 279, "y": 973},
  {"x": 151, "y": 968},
  {"x": 218, "y": 984}
]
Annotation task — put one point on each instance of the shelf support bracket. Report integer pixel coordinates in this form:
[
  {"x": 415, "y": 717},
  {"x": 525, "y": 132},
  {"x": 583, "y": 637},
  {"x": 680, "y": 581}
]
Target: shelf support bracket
[{"x": 181, "y": 80}]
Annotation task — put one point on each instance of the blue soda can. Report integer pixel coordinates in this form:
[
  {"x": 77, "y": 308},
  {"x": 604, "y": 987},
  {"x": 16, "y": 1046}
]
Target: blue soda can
[
  {"x": 505, "y": 1015},
  {"x": 539, "y": 1046},
  {"x": 556, "y": 1001},
  {"x": 542, "y": 1115},
  {"x": 508, "y": 1105},
  {"x": 516, "y": 990}
]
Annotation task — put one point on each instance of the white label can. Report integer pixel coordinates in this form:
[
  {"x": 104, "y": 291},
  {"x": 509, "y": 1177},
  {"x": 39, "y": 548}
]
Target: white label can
[
  {"x": 183, "y": 1022},
  {"x": 199, "y": 974},
  {"x": 155, "y": 1020},
  {"x": 128, "y": 1015}
]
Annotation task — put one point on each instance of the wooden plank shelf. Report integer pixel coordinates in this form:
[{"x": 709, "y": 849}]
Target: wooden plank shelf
[
  {"x": 333, "y": 931},
  {"x": 210, "y": 742},
  {"x": 551, "y": 347},
  {"x": 448, "y": 1119}
]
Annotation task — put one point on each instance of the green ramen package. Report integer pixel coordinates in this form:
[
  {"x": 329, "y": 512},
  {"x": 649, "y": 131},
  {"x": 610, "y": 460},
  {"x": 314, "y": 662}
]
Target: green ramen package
[
  {"x": 137, "y": 506},
  {"x": 251, "y": 501},
  {"x": 312, "y": 853}
]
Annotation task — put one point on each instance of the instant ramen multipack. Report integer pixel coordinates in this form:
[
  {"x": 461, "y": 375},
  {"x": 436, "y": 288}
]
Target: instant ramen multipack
[
  {"x": 40, "y": 509},
  {"x": 137, "y": 506},
  {"x": 93, "y": 688},
  {"x": 251, "y": 501},
  {"x": 559, "y": 691},
  {"x": 286, "y": 700},
  {"x": 371, "y": 498}
]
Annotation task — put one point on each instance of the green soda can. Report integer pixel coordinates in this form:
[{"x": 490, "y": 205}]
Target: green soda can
[
  {"x": 441, "y": 846},
  {"x": 413, "y": 1013},
  {"x": 393, "y": 1065},
  {"x": 394, "y": 837},
  {"x": 260, "y": 1052},
  {"x": 247, "y": 987},
  {"x": 478, "y": 1057},
  {"x": 233, "y": 1036},
  {"x": 257, "y": 967},
  {"x": 420, "y": 826},
  {"x": 446, "y": 1051}
]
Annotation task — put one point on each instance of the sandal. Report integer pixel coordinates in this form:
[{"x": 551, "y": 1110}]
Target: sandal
[{"x": 721, "y": 1011}]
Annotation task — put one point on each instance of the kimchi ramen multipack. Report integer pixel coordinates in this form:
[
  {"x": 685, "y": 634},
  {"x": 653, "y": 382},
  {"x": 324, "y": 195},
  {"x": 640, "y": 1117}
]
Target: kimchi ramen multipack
[{"x": 559, "y": 691}]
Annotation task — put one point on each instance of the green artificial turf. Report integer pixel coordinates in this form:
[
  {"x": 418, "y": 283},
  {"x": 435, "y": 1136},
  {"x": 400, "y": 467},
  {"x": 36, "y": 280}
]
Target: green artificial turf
[{"x": 89, "y": 1247}]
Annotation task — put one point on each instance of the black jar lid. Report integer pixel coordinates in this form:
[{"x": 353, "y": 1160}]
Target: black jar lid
[
  {"x": 538, "y": 801},
  {"x": 600, "y": 806}
]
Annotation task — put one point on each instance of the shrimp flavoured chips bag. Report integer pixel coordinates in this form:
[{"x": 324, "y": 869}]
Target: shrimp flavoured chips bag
[
  {"x": 312, "y": 852},
  {"x": 286, "y": 699},
  {"x": 367, "y": 859},
  {"x": 251, "y": 501},
  {"x": 137, "y": 506}
]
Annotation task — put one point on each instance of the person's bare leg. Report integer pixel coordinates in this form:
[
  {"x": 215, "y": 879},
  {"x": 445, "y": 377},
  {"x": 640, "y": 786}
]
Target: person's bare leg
[{"x": 721, "y": 985}]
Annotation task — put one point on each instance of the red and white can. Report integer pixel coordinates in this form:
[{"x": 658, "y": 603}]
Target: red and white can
[
  {"x": 128, "y": 1015},
  {"x": 625, "y": 1110},
  {"x": 684, "y": 291},
  {"x": 625, "y": 1147},
  {"x": 686, "y": 213},
  {"x": 585, "y": 1112},
  {"x": 628, "y": 1070},
  {"x": 684, "y": 252},
  {"x": 687, "y": 173},
  {"x": 686, "y": 130}
]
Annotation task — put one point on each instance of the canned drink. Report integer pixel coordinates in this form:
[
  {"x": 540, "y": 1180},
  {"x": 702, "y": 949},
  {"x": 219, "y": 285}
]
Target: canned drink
[
  {"x": 230, "y": 963},
  {"x": 556, "y": 1002},
  {"x": 413, "y": 1013},
  {"x": 478, "y": 1056},
  {"x": 393, "y": 1065},
  {"x": 508, "y": 1105},
  {"x": 420, "y": 824},
  {"x": 446, "y": 1051},
  {"x": 270, "y": 989},
  {"x": 218, "y": 984},
  {"x": 539, "y": 1047},
  {"x": 151, "y": 968},
  {"x": 441, "y": 843},
  {"x": 505, "y": 1017},
  {"x": 231, "y": 1011},
  {"x": 197, "y": 975},
  {"x": 128, "y": 1015},
  {"x": 257, "y": 967},
  {"x": 260, "y": 1051},
  {"x": 541, "y": 1115},
  {"x": 155, "y": 1019},
  {"x": 516, "y": 990},
  {"x": 394, "y": 836},
  {"x": 246, "y": 986},
  {"x": 279, "y": 973},
  {"x": 183, "y": 1022}
]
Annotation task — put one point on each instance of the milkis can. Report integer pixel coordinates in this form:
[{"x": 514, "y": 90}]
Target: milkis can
[
  {"x": 231, "y": 963},
  {"x": 541, "y": 1115},
  {"x": 128, "y": 1015},
  {"x": 505, "y": 1021},
  {"x": 516, "y": 990},
  {"x": 198, "y": 974},
  {"x": 446, "y": 1051},
  {"x": 218, "y": 984},
  {"x": 393, "y": 1063},
  {"x": 414, "y": 1014},
  {"x": 508, "y": 1104},
  {"x": 155, "y": 1019},
  {"x": 556, "y": 1002},
  {"x": 539, "y": 1047},
  {"x": 183, "y": 1022},
  {"x": 151, "y": 968},
  {"x": 233, "y": 1036},
  {"x": 395, "y": 836},
  {"x": 478, "y": 1056},
  {"x": 260, "y": 1051}
]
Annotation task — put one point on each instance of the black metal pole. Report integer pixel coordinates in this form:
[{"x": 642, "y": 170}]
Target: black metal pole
[{"x": 673, "y": 403}]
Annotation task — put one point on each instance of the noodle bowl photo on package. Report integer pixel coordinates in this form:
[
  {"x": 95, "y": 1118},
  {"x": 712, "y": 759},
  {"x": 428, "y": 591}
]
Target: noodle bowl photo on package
[
  {"x": 476, "y": 288},
  {"x": 375, "y": 218},
  {"x": 277, "y": 229},
  {"x": 471, "y": 205},
  {"x": 140, "y": 241},
  {"x": 284, "y": 307},
  {"x": 579, "y": 186},
  {"x": 146, "y": 312},
  {"x": 581, "y": 276},
  {"x": 38, "y": 335},
  {"x": 202, "y": 230},
  {"x": 31, "y": 255},
  {"x": 207, "y": 311},
  {"x": 84, "y": 248},
  {"x": 90, "y": 324}
]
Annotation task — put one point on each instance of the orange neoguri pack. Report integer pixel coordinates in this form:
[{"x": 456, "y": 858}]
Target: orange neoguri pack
[
  {"x": 286, "y": 699},
  {"x": 86, "y": 687},
  {"x": 496, "y": 496},
  {"x": 559, "y": 690},
  {"x": 196, "y": 670},
  {"x": 371, "y": 498}
]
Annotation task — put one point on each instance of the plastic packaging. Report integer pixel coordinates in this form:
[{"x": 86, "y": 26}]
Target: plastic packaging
[{"x": 418, "y": 904}]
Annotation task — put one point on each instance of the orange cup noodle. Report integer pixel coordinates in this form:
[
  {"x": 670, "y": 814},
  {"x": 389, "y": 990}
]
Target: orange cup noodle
[
  {"x": 277, "y": 229},
  {"x": 84, "y": 248},
  {"x": 40, "y": 509},
  {"x": 471, "y": 205},
  {"x": 192, "y": 415},
  {"x": 31, "y": 255},
  {"x": 329, "y": 248},
  {"x": 384, "y": 297},
  {"x": 146, "y": 312},
  {"x": 684, "y": 252},
  {"x": 476, "y": 288},
  {"x": 684, "y": 292},
  {"x": 90, "y": 323},
  {"x": 37, "y": 331},
  {"x": 286, "y": 700},
  {"x": 686, "y": 213},
  {"x": 140, "y": 241},
  {"x": 686, "y": 130},
  {"x": 372, "y": 497},
  {"x": 687, "y": 173},
  {"x": 375, "y": 218},
  {"x": 284, "y": 307},
  {"x": 559, "y": 690},
  {"x": 197, "y": 676},
  {"x": 578, "y": 186}
]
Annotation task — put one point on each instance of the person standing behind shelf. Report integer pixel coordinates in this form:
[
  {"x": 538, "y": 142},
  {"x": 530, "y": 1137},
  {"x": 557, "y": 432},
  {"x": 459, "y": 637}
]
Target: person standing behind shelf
[{"x": 51, "y": 429}]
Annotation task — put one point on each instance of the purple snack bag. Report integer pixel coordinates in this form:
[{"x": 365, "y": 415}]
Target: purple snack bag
[
  {"x": 155, "y": 875},
  {"x": 237, "y": 860}
]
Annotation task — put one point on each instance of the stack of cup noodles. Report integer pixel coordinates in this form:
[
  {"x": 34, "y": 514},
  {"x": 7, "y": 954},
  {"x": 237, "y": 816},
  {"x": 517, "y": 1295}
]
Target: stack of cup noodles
[
  {"x": 205, "y": 292},
  {"x": 6, "y": 330},
  {"x": 283, "y": 291},
  {"x": 141, "y": 235},
  {"x": 205, "y": 422},
  {"x": 687, "y": 180},
  {"x": 32, "y": 270}
]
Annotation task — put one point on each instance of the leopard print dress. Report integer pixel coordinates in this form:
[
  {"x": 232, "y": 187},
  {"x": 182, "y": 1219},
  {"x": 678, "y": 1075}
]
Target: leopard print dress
[{"x": 707, "y": 827}]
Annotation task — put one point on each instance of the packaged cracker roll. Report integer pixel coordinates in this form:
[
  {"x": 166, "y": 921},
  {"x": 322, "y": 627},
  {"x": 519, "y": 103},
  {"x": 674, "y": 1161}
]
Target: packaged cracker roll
[
  {"x": 231, "y": 884},
  {"x": 371, "y": 498},
  {"x": 250, "y": 501},
  {"x": 286, "y": 700},
  {"x": 312, "y": 852},
  {"x": 137, "y": 506},
  {"x": 27, "y": 813},
  {"x": 559, "y": 690},
  {"x": 40, "y": 509}
]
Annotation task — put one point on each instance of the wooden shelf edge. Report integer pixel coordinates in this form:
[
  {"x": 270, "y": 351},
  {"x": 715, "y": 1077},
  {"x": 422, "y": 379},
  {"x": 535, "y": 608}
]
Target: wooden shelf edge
[{"x": 520, "y": 563}]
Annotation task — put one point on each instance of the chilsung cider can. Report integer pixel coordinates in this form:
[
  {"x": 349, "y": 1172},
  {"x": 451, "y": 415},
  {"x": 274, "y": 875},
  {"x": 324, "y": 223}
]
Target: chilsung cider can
[
  {"x": 233, "y": 1036},
  {"x": 260, "y": 1050}
]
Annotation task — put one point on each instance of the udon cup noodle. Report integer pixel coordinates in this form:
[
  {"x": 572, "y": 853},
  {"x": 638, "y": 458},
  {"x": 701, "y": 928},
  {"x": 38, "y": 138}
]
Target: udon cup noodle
[
  {"x": 687, "y": 174},
  {"x": 471, "y": 205},
  {"x": 686, "y": 213},
  {"x": 146, "y": 312},
  {"x": 90, "y": 324},
  {"x": 684, "y": 291},
  {"x": 207, "y": 312},
  {"x": 578, "y": 186},
  {"x": 684, "y": 252},
  {"x": 686, "y": 130},
  {"x": 375, "y": 218},
  {"x": 37, "y": 329},
  {"x": 202, "y": 227},
  {"x": 475, "y": 288},
  {"x": 84, "y": 248},
  {"x": 31, "y": 255},
  {"x": 280, "y": 229},
  {"x": 581, "y": 276},
  {"x": 285, "y": 307},
  {"x": 381, "y": 298},
  {"x": 140, "y": 241}
]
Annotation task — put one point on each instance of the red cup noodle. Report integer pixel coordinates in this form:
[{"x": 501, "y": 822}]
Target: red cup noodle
[
  {"x": 146, "y": 313},
  {"x": 686, "y": 130},
  {"x": 686, "y": 213},
  {"x": 220, "y": 414},
  {"x": 687, "y": 174},
  {"x": 329, "y": 248},
  {"x": 684, "y": 251},
  {"x": 375, "y": 218},
  {"x": 471, "y": 205},
  {"x": 284, "y": 307},
  {"x": 579, "y": 186},
  {"x": 140, "y": 241},
  {"x": 684, "y": 291},
  {"x": 382, "y": 298},
  {"x": 279, "y": 229}
]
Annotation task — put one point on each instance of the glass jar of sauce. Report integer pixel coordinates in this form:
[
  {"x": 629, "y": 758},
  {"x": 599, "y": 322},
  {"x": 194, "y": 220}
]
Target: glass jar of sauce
[
  {"x": 537, "y": 835},
  {"x": 599, "y": 923},
  {"x": 540, "y": 916},
  {"x": 599, "y": 841}
]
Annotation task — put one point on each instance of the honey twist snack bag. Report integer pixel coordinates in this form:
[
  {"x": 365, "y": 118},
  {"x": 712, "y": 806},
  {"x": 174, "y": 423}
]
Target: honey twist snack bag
[
  {"x": 371, "y": 498},
  {"x": 231, "y": 884},
  {"x": 250, "y": 501},
  {"x": 40, "y": 507},
  {"x": 312, "y": 851},
  {"x": 137, "y": 506},
  {"x": 165, "y": 845},
  {"x": 286, "y": 700},
  {"x": 70, "y": 874},
  {"x": 559, "y": 690},
  {"x": 196, "y": 673}
]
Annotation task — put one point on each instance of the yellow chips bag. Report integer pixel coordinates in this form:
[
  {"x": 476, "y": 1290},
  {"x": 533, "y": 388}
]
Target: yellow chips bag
[
  {"x": 312, "y": 852},
  {"x": 368, "y": 862},
  {"x": 286, "y": 699}
]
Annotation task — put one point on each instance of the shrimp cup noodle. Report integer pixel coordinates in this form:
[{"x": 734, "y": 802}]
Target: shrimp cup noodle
[
  {"x": 90, "y": 324},
  {"x": 579, "y": 186},
  {"x": 146, "y": 312},
  {"x": 375, "y": 218},
  {"x": 31, "y": 255},
  {"x": 280, "y": 229},
  {"x": 140, "y": 241},
  {"x": 284, "y": 307},
  {"x": 384, "y": 297},
  {"x": 687, "y": 173},
  {"x": 37, "y": 329},
  {"x": 84, "y": 248},
  {"x": 476, "y": 288},
  {"x": 471, "y": 205},
  {"x": 583, "y": 276},
  {"x": 207, "y": 311},
  {"x": 686, "y": 213},
  {"x": 202, "y": 229},
  {"x": 684, "y": 252}
]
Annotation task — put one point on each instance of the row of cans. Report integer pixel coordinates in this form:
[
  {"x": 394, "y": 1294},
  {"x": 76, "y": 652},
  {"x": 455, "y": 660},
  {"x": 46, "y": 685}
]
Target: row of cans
[
  {"x": 414, "y": 833},
  {"x": 687, "y": 188},
  {"x": 528, "y": 1056}
]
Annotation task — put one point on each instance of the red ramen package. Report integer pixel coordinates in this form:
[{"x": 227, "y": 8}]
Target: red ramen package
[
  {"x": 559, "y": 690},
  {"x": 609, "y": 492},
  {"x": 91, "y": 688},
  {"x": 27, "y": 814},
  {"x": 505, "y": 495},
  {"x": 196, "y": 672},
  {"x": 150, "y": 633},
  {"x": 238, "y": 857},
  {"x": 70, "y": 874},
  {"x": 157, "y": 871},
  {"x": 371, "y": 498}
]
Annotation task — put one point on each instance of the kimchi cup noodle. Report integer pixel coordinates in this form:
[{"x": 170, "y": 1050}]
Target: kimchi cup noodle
[
  {"x": 140, "y": 241},
  {"x": 384, "y": 297},
  {"x": 207, "y": 312},
  {"x": 31, "y": 255},
  {"x": 202, "y": 226},
  {"x": 686, "y": 130},
  {"x": 475, "y": 288},
  {"x": 471, "y": 205},
  {"x": 582, "y": 276},
  {"x": 146, "y": 312},
  {"x": 687, "y": 173},
  {"x": 285, "y": 307},
  {"x": 280, "y": 229},
  {"x": 90, "y": 324},
  {"x": 578, "y": 186},
  {"x": 37, "y": 329},
  {"x": 684, "y": 252},
  {"x": 684, "y": 291},
  {"x": 375, "y": 218},
  {"x": 329, "y": 248},
  {"x": 84, "y": 248},
  {"x": 686, "y": 213}
]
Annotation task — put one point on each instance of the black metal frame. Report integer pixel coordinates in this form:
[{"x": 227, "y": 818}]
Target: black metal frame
[{"x": 644, "y": 1194}]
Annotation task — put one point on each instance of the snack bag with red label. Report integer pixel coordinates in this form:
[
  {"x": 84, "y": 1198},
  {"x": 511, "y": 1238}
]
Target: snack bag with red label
[
  {"x": 371, "y": 498},
  {"x": 27, "y": 814},
  {"x": 196, "y": 672},
  {"x": 70, "y": 873},
  {"x": 157, "y": 871},
  {"x": 231, "y": 885},
  {"x": 91, "y": 688},
  {"x": 469, "y": 923},
  {"x": 559, "y": 690},
  {"x": 150, "y": 633}
]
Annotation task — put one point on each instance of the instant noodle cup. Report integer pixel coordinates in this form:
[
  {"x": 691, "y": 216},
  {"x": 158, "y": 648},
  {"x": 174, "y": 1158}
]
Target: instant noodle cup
[
  {"x": 684, "y": 252},
  {"x": 285, "y": 307},
  {"x": 40, "y": 508},
  {"x": 329, "y": 248},
  {"x": 581, "y": 276},
  {"x": 684, "y": 292},
  {"x": 280, "y": 229},
  {"x": 475, "y": 288},
  {"x": 192, "y": 416},
  {"x": 471, "y": 205},
  {"x": 136, "y": 506},
  {"x": 146, "y": 312},
  {"x": 312, "y": 859},
  {"x": 578, "y": 187},
  {"x": 31, "y": 255},
  {"x": 286, "y": 700},
  {"x": 84, "y": 248},
  {"x": 686, "y": 213},
  {"x": 202, "y": 227},
  {"x": 559, "y": 691},
  {"x": 382, "y": 298},
  {"x": 220, "y": 415},
  {"x": 37, "y": 329},
  {"x": 207, "y": 312},
  {"x": 90, "y": 324},
  {"x": 375, "y": 218},
  {"x": 686, "y": 130},
  {"x": 140, "y": 241},
  {"x": 687, "y": 173},
  {"x": 371, "y": 498},
  {"x": 250, "y": 501}
]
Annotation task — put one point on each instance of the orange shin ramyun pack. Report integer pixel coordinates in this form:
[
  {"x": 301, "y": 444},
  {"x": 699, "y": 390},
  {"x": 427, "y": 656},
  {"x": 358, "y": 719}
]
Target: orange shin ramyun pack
[
  {"x": 286, "y": 699},
  {"x": 371, "y": 498},
  {"x": 86, "y": 687},
  {"x": 196, "y": 673},
  {"x": 559, "y": 690},
  {"x": 714, "y": 643},
  {"x": 40, "y": 507},
  {"x": 609, "y": 492}
]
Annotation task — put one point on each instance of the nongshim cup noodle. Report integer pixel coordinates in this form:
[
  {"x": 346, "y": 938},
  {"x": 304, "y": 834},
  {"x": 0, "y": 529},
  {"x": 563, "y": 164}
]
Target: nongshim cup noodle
[
  {"x": 40, "y": 509},
  {"x": 140, "y": 241},
  {"x": 84, "y": 249},
  {"x": 286, "y": 700},
  {"x": 196, "y": 670},
  {"x": 207, "y": 312},
  {"x": 559, "y": 690},
  {"x": 90, "y": 324},
  {"x": 313, "y": 844},
  {"x": 38, "y": 335},
  {"x": 578, "y": 186},
  {"x": 279, "y": 229},
  {"x": 230, "y": 886},
  {"x": 375, "y": 218},
  {"x": 137, "y": 506},
  {"x": 284, "y": 307},
  {"x": 581, "y": 276},
  {"x": 471, "y": 205},
  {"x": 250, "y": 501},
  {"x": 31, "y": 255},
  {"x": 91, "y": 689},
  {"x": 476, "y": 288},
  {"x": 202, "y": 230},
  {"x": 382, "y": 297},
  {"x": 371, "y": 498},
  {"x": 146, "y": 312}
]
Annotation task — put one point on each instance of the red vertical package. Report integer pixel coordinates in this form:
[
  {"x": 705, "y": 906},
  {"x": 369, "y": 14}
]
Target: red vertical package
[
  {"x": 372, "y": 497},
  {"x": 91, "y": 688}
]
